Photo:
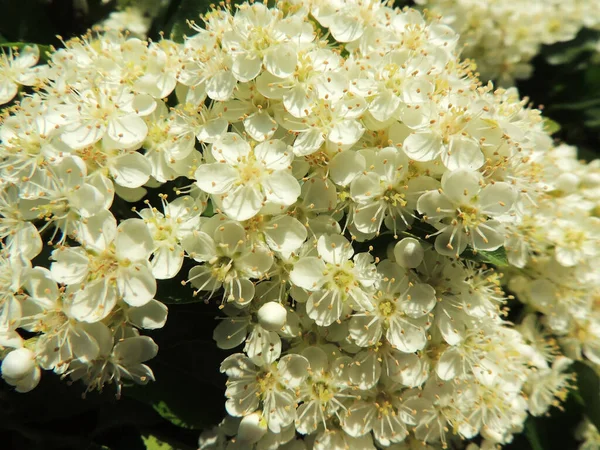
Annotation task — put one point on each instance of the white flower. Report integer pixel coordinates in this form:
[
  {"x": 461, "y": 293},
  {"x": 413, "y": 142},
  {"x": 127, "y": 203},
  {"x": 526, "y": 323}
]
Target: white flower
[
  {"x": 46, "y": 309},
  {"x": 547, "y": 387},
  {"x": 336, "y": 283},
  {"x": 16, "y": 69},
  {"x": 325, "y": 389},
  {"x": 244, "y": 179},
  {"x": 179, "y": 220},
  {"x": 229, "y": 259},
  {"x": 270, "y": 388},
  {"x": 381, "y": 413},
  {"x": 380, "y": 193},
  {"x": 104, "y": 112},
  {"x": 123, "y": 362},
  {"x": 464, "y": 212},
  {"x": 112, "y": 264},
  {"x": 399, "y": 310}
]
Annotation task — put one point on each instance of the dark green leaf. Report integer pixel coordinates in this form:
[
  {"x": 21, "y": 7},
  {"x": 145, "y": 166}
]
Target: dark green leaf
[
  {"x": 189, "y": 389},
  {"x": 187, "y": 10},
  {"x": 588, "y": 385},
  {"x": 533, "y": 434}
]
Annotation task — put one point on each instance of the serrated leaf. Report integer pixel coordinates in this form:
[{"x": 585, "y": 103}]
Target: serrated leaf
[
  {"x": 153, "y": 443},
  {"x": 588, "y": 385}
]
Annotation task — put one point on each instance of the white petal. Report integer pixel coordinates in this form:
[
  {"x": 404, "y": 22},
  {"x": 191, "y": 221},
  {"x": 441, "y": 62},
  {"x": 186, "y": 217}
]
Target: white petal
[
  {"x": 384, "y": 106},
  {"x": 260, "y": 125},
  {"x": 136, "y": 284},
  {"x": 166, "y": 262},
  {"x": 94, "y": 302},
  {"x": 463, "y": 153},
  {"x": 215, "y": 178},
  {"x": 297, "y": 101},
  {"x": 346, "y": 166},
  {"x": 281, "y": 60},
  {"x": 281, "y": 188},
  {"x": 448, "y": 245},
  {"x": 406, "y": 337},
  {"x": 219, "y": 87},
  {"x": 70, "y": 265},
  {"x": 242, "y": 203},
  {"x": 128, "y": 131},
  {"x": 461, "y": 185},
  {"x": 131, "y": 170},
  {"x": 274, "y": 154},
  {"x": 365, "y": 370},
  {"x": 346, "y": 133},
  {"x": 135, "y": 350},
  {"x": 421, "y": 300},
  {"x": 98, "y": 231},
  {"x": 8, "y": 90},
  {"x": 82, "y": 134},
  {"x": 231, "y": 332},
  {"x": 422, "y": 146},
  {"x": 133, "y": 241},
  {"x": 151, "y": 316},
  {"x": 285, "y": 234},
  {"x": 346, "y": 27},
  {"x": 308, "y": 142},
  {"x": 246, "y": 67},
  {"x": 293, "y": 370},
  {"x": 359, "y": 419},
  {"x": 324, "y": 307},
  {"x": 334, "y": 249},
  {"x": 230, "y": 148},
  {"x": 308, "y": 273},
  {"x": 262, "y": 346},
  {"x": 498, "y": 198}
]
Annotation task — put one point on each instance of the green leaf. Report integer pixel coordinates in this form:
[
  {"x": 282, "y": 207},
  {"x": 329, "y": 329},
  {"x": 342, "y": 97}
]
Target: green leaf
[
  {"x": 588, "y": 385},
  {"x": 153, "y": 443},
  {"x": 533, "y": 434},
  {"x": 44, "y": 49},
  {"x": 177, "y": 26},
  {"x": 189, "y": 388},
  {"x": 166, "y": 413},
  {"x": 550, "y": 126},
  {"x": 495, "y": 257}
]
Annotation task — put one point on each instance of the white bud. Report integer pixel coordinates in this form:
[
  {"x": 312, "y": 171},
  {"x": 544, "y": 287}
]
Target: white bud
[
  {"x": 272, "y": 316},
  {"x": 567, "y": 182},
  {"x": 252, "y": 428},
  {"x": 408, "y": 253},
  {"x": 18, "y": 364}
]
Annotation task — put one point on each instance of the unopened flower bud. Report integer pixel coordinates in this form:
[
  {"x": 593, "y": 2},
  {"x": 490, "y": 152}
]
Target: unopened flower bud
[
  {"x": 18, "y": 364},
  {"x": 408, "y": 253},
  {"x": 272, "y": 316}
]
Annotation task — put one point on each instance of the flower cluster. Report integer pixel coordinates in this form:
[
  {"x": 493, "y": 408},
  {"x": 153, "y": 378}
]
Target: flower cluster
[
  {"x": 503, "y": 37},
  {"x": 344, "y": 184}
]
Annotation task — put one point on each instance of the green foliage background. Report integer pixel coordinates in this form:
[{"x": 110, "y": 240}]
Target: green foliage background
[{"x": 188, "y": 393}]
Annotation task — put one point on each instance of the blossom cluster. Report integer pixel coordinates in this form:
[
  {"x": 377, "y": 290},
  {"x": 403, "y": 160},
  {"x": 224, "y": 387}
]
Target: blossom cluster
[
  {"x": 343, "y": 184},
  {"x": 503, "y": 37}
]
